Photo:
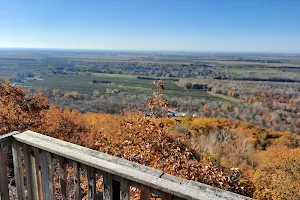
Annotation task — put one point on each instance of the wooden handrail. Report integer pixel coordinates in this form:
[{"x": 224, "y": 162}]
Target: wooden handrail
[{"x": 118, "y": 174}]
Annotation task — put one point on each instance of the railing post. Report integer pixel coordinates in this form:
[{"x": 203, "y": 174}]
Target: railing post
[
  {"x": 47, "y": 176},
  {"x": 124, "y": 189},
  {"x": 77, "y": 188},
  {"x": 108, "y": 186},
  {"x": 4, "y": 195},
  {"x": 63, "y": 178},
  {"x": 118, "y": 174},
  {"x": 28, "y": 167},
  {"x": 19, "y": 179},
  {"x": 33, "y": 171},
  {"x": 38, "y": 174},
  {"x": 90, "y": 173}
]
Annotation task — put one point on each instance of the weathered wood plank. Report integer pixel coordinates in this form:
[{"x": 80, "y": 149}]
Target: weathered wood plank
[
  {"x": 28, "y": 169},
  {"x": 90, "y": 173},
  {"x": 77, "y": 193},
  {"x": 19, "y": 179},
  {"x": 63, "y": 178},
  {"x": 38, "y": 174},
  {"x": 3, "y": 174},
  {"x": 133, "y": 172},
  {"x": 33, "y": 175},
  {"x": 124, "y": 189},
  {"x": 47, "y": 175},
  {"x": 50, "y": 176},
  {"x": 6, "y": 139},
  {"x": 108, "y": 186},
  {"x": 145, "y": 193}
]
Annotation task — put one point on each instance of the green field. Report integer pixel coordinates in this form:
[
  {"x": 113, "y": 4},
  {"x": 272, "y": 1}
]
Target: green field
[
  {"x": 127, "y": 84},
  {"x": 248, "y": 63}
]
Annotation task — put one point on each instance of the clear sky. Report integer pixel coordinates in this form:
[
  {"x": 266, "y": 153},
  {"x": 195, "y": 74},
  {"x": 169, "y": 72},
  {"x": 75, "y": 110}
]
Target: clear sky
[{"x": 200, "y": 25}]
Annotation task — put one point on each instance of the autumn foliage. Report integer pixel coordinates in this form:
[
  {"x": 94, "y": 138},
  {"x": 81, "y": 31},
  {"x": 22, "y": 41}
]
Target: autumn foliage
[
  {"x": 18, "y": 111},
  {"x": 229, "y": 154}
]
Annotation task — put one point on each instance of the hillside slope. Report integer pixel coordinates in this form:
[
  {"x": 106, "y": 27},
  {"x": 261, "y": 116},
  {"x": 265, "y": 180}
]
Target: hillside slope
[{"x": 232, "y": 155}]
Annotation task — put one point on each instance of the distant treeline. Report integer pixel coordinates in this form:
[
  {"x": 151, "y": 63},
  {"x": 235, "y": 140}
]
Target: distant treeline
[
  {"x": 18, "y": 59},
  {"x": 152, "y": 78},
  {"x": 257, "y": 61},
  {"x": 96, "y": 81},
  {"x": 259, "y": 79}
]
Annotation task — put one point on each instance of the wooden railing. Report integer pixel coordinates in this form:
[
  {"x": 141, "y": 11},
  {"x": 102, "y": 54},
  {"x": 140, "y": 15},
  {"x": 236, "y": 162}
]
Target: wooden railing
[{"x": 36, "y": 158}]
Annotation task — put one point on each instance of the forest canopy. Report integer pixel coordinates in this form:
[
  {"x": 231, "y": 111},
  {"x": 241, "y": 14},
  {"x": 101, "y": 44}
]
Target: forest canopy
[{"x": 229, "y": 154}]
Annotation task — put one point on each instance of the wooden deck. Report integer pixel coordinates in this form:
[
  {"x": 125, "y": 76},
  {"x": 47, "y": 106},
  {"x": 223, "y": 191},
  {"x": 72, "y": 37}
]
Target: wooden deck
[{"x": 34, "y": 154}]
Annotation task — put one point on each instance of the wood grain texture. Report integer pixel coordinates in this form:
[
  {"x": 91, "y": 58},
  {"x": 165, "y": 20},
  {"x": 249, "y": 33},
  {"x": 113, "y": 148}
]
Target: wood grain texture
[
  {"x": 3, "y": 174},
  {"x": 76, "y": 171},
  {"x": 38, "y": 173},
  {"x": 124, "y": 189},
  {"x": 47, "y": 175},
  {"x": 90, "y": 173},
  {"x": 108, "y": 186},
  {"x": 63, "y": 177},
  {"x": 50, "y": 175},
  {"x": 28, "y": 170},
  {"x": 34, "y": 173},
  {"x": 19, "y": 179}
]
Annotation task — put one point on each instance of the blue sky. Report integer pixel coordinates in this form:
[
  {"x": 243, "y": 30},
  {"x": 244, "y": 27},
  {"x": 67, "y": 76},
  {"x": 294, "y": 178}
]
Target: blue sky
[{"x": 201, "y": 25}]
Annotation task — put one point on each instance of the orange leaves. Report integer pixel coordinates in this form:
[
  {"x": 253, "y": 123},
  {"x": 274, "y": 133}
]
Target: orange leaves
[
  {"x": 65, "y": 125},
  {"x": 212, "y": 147},
  {"x": 19, "y": 112},
  {"x": 278, "y": 174},
  {"x": 138, "y": 138}
]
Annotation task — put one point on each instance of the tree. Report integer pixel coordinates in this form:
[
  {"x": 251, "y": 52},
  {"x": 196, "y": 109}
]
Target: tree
[{"x": 19, "y": 112}]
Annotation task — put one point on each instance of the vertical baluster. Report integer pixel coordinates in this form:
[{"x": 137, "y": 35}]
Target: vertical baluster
[
  {"x": 108, "y": 186},
  {"x": 29, "y": 179},
  {"x": 33, "y": 174},
  {"x": 37, "y": 172},
  {"x": 145, "y": 192},
  {"x": 50, "y": 175},
  {"x": 3, "y": 174},
  {"x": 63, "y": 178},
  {"x": 90, "y": 172},
  {"x": 19, "y": 179},
  {"x": 124, "y": 189},
  {"x": 47, "y": 175},
  {"x": 77, "y": 188}
]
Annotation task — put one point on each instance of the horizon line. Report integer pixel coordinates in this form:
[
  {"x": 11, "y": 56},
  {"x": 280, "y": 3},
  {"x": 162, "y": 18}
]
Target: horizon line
[{"x": 141, "y": 50}]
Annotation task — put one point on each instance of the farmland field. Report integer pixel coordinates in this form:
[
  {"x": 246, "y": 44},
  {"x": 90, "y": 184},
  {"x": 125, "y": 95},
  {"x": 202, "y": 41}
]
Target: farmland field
[
  {"x": 73, "y": 70},
  {"x": 129, "y": 84}
]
